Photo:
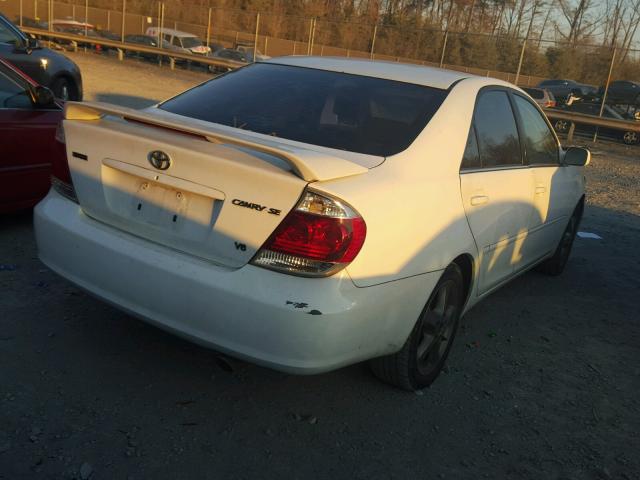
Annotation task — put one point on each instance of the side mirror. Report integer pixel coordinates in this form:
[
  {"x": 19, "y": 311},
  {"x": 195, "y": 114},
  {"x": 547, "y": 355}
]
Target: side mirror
[
  {"x": 42, "y": 97},
  {"x": 32, "y": 43},
  {"x": 577, "y": 157}
]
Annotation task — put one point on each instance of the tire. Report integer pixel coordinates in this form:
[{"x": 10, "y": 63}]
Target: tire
[
  {"x": 555, "y": 265},
  {"x": 423, "y": 355},
  {"x": 64, "y": 89},
  {"x": 630, "y": 138},
  {"x": 561, "y": 126}
]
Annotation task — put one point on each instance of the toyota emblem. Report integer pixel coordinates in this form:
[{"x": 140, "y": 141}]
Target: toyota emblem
[{"x": 159, "y": 159}]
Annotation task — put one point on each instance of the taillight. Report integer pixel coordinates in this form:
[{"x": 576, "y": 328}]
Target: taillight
[
  {"x": 60, "y": 174},
  {"x": 317, "y": 238}
]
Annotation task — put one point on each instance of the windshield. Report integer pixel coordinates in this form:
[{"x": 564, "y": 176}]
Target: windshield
[
  {"x": 8, "y": 35},
  {"x": 191, "y": 42},
  {"x": 330, "y": 109}
]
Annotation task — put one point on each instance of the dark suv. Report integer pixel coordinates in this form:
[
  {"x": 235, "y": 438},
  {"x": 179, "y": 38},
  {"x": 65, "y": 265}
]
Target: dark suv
[
  {"x": 45, "y": 66},
  {"x": 623, "y": 92}
]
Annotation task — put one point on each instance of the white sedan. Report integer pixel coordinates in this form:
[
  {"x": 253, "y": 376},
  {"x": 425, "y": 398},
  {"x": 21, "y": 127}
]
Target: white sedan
[{"x": 309, "y": 213}]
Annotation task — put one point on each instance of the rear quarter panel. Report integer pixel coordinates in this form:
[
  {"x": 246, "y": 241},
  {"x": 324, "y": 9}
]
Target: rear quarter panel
[{"x": 411, "y": 203}]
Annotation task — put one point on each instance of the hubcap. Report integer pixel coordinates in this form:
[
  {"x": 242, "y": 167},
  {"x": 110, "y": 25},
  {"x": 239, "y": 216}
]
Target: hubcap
[{"x": 437, "y": 328}]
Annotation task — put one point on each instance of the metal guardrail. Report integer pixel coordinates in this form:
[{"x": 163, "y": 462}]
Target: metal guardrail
[
  {"x": 122, "y": 47},
  {"x": 582, "y": 119}
]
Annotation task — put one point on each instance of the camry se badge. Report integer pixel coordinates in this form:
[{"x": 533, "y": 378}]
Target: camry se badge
[{"x": 159, "y": 159}]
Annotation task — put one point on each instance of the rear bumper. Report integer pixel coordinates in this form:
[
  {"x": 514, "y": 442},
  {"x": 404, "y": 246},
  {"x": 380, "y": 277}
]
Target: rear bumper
[{"x": 293, "y": 324}]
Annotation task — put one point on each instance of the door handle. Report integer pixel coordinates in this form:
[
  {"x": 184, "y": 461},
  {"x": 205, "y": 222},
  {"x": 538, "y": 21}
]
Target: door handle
[
  {"x": 479, "y": 200},
  {"x": 540, "y": 189}
]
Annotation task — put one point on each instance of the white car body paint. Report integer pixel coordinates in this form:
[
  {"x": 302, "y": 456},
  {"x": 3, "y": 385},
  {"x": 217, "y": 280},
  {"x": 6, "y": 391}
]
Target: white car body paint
[{"x": 421, "y": 213}]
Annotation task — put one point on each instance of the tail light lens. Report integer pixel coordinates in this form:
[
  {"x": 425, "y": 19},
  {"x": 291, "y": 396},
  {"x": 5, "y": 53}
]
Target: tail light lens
[
  {"x": 60, "y": 174},
  {"x": 318, "y": 238}
]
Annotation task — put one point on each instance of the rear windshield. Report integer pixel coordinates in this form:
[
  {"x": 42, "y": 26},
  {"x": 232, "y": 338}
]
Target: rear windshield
[
  {"x": 330, "y": 109},
  {"x": 535, "y": 93}
]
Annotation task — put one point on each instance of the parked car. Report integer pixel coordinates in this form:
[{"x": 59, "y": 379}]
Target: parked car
[
  {"x": 542, "y": 96},
  {"x": 182, "y": 42},
  {"x": 147, "y": 41},
  {"x": 247, "y": 50},
  {"x": 29, "y": 117},
  {"x": 628, "y": 137},
  {"x": 309, "y": 213},
  {"x": 32, "y": 22},
  {"x": 623, "y": 92},
  {"x": 45, "y": 66},
  {"x": 561, "y": 89},
  {"x": 232, "y": 54}
]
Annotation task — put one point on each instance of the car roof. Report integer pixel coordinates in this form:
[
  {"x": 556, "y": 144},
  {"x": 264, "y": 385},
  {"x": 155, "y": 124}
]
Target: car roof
[
  {"x": 401, "y": 72},
  {"x": 176, "y": 33}
]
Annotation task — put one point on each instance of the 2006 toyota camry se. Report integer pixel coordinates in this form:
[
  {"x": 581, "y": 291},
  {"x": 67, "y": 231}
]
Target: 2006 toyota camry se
[{"x": 309, "y": 213}]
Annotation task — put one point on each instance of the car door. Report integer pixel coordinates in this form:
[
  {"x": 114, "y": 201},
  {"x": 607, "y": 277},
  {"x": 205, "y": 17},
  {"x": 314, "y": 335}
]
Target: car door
[
  {"x": 496, "y": 188},
  {"x": 27, "y": 136},
  {"x": 555, "y": 187}
]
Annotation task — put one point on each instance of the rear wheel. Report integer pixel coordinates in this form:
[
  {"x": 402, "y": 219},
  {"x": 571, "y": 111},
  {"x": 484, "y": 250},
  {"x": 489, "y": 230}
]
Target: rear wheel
[
  {"x": 561, "y": 126},
  {"x": 630, "y": 138},
  {"x": 422, "y": 357},
  {"x": 555, "y": 265}
]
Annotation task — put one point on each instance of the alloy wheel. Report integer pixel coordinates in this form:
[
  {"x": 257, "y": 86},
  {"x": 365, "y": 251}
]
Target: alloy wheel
[{"x": 438, "y": 324}]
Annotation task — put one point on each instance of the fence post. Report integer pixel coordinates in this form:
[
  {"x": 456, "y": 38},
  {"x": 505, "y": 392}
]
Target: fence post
[
  {"x": 444, "y": 47},
  {"x": 310, "y": 35},
  {"x": 606, "y": 90},
  {"x": 373, "y": 40},
  {"x": 20, "y": 12},
  {"x": 35, "y": 9},
  {"x": 124, "y": 13},
  {"x": 108, "y": 19},
  {"x": 158, "y": 24},
  {"x": 86, "y": 17},
  {"x": 313, "y": 35},
  {"x": 524, "y": 45},
  {"x": 255, "y": 40},
  {"x": 266, "y": 43},
  {"x": 209, "y": 28}
]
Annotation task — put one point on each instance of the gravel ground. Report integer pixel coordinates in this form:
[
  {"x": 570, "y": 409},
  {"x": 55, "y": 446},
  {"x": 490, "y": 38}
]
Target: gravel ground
[{"x": 542, "y": 382}]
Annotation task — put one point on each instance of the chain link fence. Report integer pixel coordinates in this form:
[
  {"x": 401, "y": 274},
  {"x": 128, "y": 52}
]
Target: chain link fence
[{"x": 501, "y": 56}]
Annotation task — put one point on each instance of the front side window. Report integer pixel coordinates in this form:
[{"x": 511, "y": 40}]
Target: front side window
[
  {"x": 329, "y": 109},
  {"x": 540, "y": 144},
  {"x": 496, "y": 129},
  {"x": 191, "y": 42}
]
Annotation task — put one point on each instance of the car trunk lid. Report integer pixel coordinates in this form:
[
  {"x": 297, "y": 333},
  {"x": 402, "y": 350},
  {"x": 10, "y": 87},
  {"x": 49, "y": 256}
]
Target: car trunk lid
[{"x": 187, "y": 187}]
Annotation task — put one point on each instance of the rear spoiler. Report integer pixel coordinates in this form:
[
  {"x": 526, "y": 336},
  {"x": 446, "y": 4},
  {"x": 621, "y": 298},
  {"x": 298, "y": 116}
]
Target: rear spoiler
[{"x": 309, "y": 165}]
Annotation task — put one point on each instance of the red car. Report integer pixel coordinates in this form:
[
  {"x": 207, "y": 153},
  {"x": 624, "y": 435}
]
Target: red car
[{"x": 29, "y": 117}]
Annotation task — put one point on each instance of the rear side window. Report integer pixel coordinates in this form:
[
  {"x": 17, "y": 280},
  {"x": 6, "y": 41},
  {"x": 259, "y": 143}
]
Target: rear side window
[
  {"x": 497, "y": 132},
  {"x": 540, "y": 144},
  {"x": 471, "y": 158},
  {"x": 330, "y": 109}
]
